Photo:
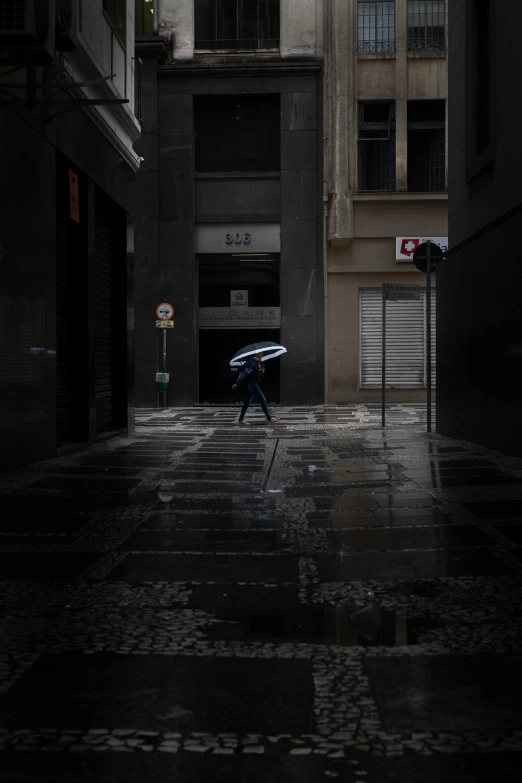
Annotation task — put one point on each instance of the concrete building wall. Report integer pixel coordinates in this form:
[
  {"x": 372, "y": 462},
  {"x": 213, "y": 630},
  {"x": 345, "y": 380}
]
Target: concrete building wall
[
  {"x": 96, "y": 143},
  {"x": 479, "y": 313},
  {"x": 362, "y": 227},
  {"x": 175, "y": 199},
  {"x": 100, "y": 53},
  {"x": 301, "y": 28}
]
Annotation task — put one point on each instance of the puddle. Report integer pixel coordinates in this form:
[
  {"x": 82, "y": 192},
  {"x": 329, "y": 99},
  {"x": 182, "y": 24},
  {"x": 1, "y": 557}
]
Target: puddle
[{"x": 330, "y": 624}]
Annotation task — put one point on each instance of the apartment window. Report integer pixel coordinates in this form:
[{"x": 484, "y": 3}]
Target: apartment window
[
  {"x": 426, "y": 25},
  {"x": 375, "y": 26},
  {"x": 426, "y": 146},
  {"x": 116, "y": 13},
  {"x": 144, "y": 15},
  {"x": 376, "y": 146},
  {"x": 237, "y": 133},
  {"x": 237, "y": 24}
]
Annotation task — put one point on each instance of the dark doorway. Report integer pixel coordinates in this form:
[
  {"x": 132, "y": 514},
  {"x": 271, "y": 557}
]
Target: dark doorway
[
  {"x": 110, "y": 287},
  {"x": 72, "y": 362},
  {"x": 216, "y": 377}
]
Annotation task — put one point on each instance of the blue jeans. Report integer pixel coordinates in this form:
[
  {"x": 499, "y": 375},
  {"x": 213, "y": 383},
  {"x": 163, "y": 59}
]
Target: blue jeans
[{"x": 253, "y": 390}]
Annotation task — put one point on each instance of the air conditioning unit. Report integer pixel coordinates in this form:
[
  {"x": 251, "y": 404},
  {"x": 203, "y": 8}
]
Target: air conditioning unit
[
  {"x": 66, "y": 25},
  {"x": 27, "y": 30}
]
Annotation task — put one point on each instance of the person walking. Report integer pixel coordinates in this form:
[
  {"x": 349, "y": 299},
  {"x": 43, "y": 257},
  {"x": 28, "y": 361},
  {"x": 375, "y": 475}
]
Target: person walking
[{"x": 253, "y": 372}]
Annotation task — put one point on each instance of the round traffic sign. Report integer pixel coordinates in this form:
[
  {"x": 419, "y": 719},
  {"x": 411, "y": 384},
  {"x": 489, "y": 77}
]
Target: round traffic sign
[
  {"x": 420, "y": 256},
  {"x": 165, "y": 311}
]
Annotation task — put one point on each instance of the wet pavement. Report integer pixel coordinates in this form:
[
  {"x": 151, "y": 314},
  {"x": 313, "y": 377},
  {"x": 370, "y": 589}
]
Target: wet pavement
[{"x": 194, "y": 597}]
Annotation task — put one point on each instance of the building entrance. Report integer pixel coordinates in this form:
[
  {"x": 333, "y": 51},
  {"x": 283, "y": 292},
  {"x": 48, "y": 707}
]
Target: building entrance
[
  {"x": 238, "y": 305},
  {"x": 216, "y": 377}
]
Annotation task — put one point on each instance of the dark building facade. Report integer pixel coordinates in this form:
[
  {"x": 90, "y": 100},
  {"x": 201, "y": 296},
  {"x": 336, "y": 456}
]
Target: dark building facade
[
  {"x": 67, "y": 172},
  {"x": 230, "y": 222},
  {"x": 479, "y": 315}
]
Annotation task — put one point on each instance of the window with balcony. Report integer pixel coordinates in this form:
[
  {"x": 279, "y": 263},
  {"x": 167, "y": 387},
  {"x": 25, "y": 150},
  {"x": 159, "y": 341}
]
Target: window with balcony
[
  {"x": 426, "y": 25},
  {"x": 375, "y": 26},
  {"x": 426, "y": 147},
  {"x": 376, "y": 147},
  {"x": 239, "y": 25},
  {"x": 237, "y": 133}
]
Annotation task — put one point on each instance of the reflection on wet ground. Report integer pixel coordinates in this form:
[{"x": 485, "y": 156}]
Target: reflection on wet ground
[
  {"x": 331, "y": 624},
  {"x": 318, "y": 599}
]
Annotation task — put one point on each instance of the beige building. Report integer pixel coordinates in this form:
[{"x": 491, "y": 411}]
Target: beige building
[{"x": 385, "y": 187}]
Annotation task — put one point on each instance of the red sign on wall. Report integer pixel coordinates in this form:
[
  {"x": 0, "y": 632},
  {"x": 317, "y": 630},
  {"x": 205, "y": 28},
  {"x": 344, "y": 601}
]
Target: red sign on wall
[{"x": 74, "y": 202}]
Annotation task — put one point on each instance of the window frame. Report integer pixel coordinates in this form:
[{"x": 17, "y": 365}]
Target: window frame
[
  {"x": 212, "y": 49},
  {"x": 240, "y": 134},
  {"x": 379, "y": 129},
  {"x": 433, "y": 127},
  {"x": 120, "y": 31},
  {"x": 363, "y": 46},
  {"x": 425, "y": 44}
]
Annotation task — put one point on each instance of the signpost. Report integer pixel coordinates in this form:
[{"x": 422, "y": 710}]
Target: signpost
[
  {"x": 394, "y": 293},
  {"x": 425, "y": 257},
  {"x": 164, "y": 314}
]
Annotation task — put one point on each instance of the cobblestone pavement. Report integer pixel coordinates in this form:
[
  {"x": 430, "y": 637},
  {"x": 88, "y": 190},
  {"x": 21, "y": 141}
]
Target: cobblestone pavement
[{"x": 192, "y": 603}]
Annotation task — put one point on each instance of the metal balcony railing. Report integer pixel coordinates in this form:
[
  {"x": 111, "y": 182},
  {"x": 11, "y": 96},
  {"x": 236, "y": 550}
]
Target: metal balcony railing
[
  {"x": 375, "y": 47},
  {"x": 426, "y": 44}
]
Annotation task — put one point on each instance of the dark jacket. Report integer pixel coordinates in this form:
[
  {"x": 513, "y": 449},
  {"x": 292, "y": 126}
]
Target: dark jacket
[{"x": 253, "y": 370}]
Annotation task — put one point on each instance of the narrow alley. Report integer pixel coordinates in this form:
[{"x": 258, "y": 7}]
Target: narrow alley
[{"x": 316, "y": 600}]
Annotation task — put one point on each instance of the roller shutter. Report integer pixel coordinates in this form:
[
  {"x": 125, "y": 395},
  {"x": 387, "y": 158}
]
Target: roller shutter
[
  {"x": 405, "y": 341},
  {"x": 63, "y": 333},
  {"x": 104, "y": 369}
]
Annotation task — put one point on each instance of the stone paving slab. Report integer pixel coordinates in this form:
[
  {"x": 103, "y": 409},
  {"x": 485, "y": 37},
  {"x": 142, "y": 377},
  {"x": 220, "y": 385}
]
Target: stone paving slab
[
  {"x": 448, "y": 692},
  {"x": 204, "y": 568},
  {"x": 163, "y": 693},
  {"x": 207, "y": 563}
]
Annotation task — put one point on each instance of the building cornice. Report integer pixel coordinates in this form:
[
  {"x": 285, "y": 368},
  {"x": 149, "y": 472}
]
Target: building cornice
[
  {"x": 394, "y": 198},
  {"x": 154, "y": 46},
  {"x": 243, "y": 69}
]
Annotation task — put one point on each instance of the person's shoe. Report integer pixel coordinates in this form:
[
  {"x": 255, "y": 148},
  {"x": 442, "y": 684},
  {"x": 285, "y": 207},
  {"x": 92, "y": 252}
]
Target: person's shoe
[
  {"x": 241, "y": 424},
  {"x": 273, "y": 420}
]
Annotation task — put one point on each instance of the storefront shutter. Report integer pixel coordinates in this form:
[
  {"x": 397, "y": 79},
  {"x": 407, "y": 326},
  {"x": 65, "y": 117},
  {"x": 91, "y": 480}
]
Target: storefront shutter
[
  {"x": 405, "y": 341},
  {"x": 104, "y": 326}
]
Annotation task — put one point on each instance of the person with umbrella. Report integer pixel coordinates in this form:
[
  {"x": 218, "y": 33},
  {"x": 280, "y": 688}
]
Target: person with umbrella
[{"x": 252, "y": 373}]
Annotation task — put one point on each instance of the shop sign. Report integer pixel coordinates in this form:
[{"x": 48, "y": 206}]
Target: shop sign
[
  {"x": 238, "y": 238},
  {"x": 239, "y": 298},
  {"x": 74, "y": 201},
  {"x": 405, "y": 247},
  {"x": 223, "y": 317},
  {"x": 396, "y": 292}
]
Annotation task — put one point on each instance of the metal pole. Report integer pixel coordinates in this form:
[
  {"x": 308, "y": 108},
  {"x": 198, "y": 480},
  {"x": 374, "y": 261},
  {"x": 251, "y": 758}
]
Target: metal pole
[
  {"x": 384, "y": 354},
  {"x": 164, "y": 364},
  {"x": 428, "y": 334}
]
